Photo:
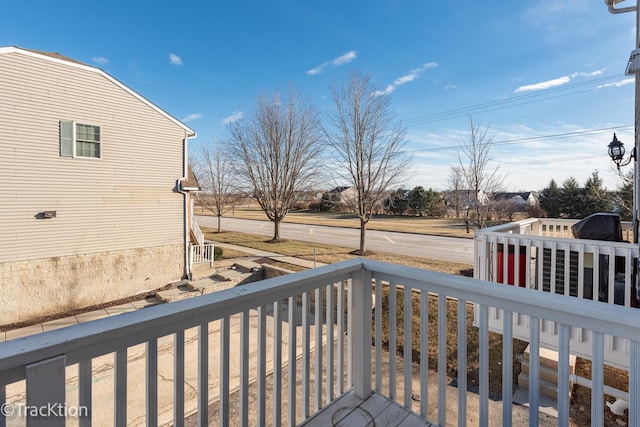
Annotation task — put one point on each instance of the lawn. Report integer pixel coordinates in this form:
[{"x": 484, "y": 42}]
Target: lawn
[{"x": 420, "y": 225}]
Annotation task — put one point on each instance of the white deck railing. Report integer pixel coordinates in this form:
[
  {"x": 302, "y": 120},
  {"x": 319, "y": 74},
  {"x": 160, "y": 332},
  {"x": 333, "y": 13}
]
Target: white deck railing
[
  {"x": 119, "y": 368},
  {"x": 197, "y": 232},
  {"x": 542, "y": 254},
  {"x": 199, "y": 254}
]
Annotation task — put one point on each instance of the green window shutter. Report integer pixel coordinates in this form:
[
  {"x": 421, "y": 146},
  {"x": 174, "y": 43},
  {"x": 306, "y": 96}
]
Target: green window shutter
[{"x": 66, "y": 138}]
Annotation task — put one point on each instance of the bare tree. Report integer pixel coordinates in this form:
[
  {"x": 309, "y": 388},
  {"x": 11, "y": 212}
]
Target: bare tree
[
  {"x": 482, "y": 179},
  {"x": 368, "y": 144},
  {"x": 455, "y": 182},
  {"x": 276, "y": 148},
  {"x": 216, "y": 172}
]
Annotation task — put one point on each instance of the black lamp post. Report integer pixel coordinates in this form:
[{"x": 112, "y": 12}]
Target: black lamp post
[{"x": 616, "y": 152}]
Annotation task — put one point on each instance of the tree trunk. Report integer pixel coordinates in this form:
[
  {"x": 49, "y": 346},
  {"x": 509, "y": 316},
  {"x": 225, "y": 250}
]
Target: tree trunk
[
  {"x": 219, "y": 216},
  {"x": 363, "y": 232},
  {"x": 276, "y": 230}
]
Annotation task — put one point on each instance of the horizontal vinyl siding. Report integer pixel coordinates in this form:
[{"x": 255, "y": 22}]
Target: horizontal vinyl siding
[{"x": 127, "y": 199}]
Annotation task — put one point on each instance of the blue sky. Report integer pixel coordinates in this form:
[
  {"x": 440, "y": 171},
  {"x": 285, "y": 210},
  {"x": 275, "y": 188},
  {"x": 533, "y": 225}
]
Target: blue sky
[{"x": 546, "y": 76}]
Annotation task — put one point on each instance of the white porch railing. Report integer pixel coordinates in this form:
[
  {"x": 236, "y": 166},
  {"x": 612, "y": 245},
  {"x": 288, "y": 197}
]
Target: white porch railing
[
  {"x": 225, "y": 341},
  {"x": 541, "y": 254},
  {"x": 199, "y": 254},
  {"x": 197, "y": 233}
]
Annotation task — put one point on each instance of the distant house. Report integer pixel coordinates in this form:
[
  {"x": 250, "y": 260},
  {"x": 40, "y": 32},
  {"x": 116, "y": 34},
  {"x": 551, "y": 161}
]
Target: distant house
[
  {"x": 345, "y": 195},
  {"x": 463, "y": 198},
  {"x": 522, "y": 200},
  {"x": 95, "y": 204}
]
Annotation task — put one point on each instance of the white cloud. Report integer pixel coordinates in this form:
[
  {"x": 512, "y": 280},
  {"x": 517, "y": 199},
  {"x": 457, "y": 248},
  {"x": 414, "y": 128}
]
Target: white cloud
[
  {"x": 412, "y": 75},
  {"x": 341, "y": 60},
  {"x": 386, "y": 91},
  {"x": 591, "y": 74},
  {"x": 237, "y": 115},
  {"x": 100, "y": 60},
  {"x": 175, "y": 59},
  {"x": 544, "y": 85},
  {"x": 619, "y": 83},
  {"x": 548, "y": 84},
  {"x": 345, "y": 59},
  {"x": 190, "y": 117}
]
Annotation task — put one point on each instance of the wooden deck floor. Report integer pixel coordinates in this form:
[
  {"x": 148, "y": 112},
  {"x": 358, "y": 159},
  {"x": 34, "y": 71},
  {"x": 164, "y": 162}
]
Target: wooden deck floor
[{"x": 377, "y": 410}]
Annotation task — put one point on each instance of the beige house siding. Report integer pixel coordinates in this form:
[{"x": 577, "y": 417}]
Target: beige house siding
[{"x": 126, "y": 199}]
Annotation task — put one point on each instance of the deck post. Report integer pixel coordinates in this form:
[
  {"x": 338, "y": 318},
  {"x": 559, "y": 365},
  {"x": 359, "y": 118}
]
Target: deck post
[
  {"x": 46, "y": 403},
  {"x": 361, "y": 333}
]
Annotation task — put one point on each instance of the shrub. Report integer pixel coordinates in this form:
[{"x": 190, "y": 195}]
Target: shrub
[{"x": 217, "y": 253}]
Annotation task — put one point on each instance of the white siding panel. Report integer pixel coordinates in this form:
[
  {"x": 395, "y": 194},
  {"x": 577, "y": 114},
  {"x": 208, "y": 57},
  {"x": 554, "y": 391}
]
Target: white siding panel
[{"x": 126, "y": 199}]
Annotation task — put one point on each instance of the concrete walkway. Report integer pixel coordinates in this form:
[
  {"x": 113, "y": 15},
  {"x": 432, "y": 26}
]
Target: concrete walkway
[{"x": 258, "y": 253}]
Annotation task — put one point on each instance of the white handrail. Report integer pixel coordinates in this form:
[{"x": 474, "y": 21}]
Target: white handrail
[{"x": 197, "y": 232}]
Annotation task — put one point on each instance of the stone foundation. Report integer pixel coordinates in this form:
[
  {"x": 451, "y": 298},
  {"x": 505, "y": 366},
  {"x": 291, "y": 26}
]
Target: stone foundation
[{"x": 34, "y": 288}]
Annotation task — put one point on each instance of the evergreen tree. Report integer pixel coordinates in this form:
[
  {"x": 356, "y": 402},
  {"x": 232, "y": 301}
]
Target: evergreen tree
[
  {"x": 550, "y": 200},
  {"x": 571, "y": 199},
  {"x": 624, "y": 197},
  {"x": 398, "y": 202},
  {"x": 418, "y": 201},
  {"x": 595, "y": 196},
  {"x": 435, "y": 204}
]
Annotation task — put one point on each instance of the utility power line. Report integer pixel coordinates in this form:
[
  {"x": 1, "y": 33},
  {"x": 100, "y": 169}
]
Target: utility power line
[
  {"x": 515, "y": 101},
  {"x": 535, "y": 138}
]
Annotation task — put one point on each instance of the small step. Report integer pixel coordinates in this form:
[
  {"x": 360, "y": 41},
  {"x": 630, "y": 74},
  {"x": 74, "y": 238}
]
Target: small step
[
  {"x": 547, "y": 388},
  {"x": 545, "y": 372},
  {"x": 229, "y": 275},
  {"x": 180, "y": 292},
  {"x": 147, "y": 302},
  {"x": 247, "y": 266},
  {"x": 208, "y": 285},
  {"x": 548, "y": 371},
  {"x": 549, "y": 358}
]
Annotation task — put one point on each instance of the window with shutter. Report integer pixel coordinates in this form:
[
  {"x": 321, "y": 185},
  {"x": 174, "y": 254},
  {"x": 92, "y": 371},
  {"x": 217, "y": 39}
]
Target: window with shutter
[
  {"x": 66, "y": 138},
  {"x": 79, "y": 140}
]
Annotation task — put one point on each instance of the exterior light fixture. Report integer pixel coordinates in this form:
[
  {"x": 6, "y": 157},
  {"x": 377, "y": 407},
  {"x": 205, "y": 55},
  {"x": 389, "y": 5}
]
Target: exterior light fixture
[
  {"x": 633, "y": 67},
  {"x": 616, "y": 152}
]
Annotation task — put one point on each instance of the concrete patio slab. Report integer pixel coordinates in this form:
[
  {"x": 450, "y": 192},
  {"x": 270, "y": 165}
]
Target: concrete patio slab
[
  {"x": 230, "y": 275},
  {"x": 147, "y": 302},
  {"x": 92, "y": 315},
  {"x": 119, "y": 309},
  {"x": 179, "y": 293},
  {"x": 23, "y": 332},
  {"x": 59, "y": 323}
]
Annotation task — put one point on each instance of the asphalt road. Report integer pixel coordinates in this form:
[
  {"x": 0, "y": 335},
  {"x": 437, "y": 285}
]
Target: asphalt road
[{"x": 418, "y": 245}]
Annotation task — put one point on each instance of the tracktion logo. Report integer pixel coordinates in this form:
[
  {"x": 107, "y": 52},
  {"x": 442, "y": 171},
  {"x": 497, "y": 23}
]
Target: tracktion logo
[{"x": 51, "y": 410}]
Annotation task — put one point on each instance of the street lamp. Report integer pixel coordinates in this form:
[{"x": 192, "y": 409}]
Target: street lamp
[{"x": 616, "y": 152}]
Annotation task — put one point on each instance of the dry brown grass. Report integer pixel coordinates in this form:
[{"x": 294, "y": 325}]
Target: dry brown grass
[
  {"x": 473, "y": 340},
  {"x": 419, "y": 225},
  {"x": 327, "y": 254}
]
